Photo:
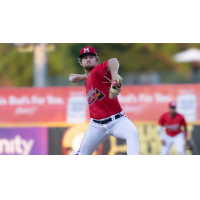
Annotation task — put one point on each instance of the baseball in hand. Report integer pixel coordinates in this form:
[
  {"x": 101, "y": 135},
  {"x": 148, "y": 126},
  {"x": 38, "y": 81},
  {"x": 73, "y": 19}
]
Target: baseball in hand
[{"x": 71, "y": 78}]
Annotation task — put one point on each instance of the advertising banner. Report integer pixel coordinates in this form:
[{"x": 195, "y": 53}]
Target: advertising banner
[
  {"x": 68, "y": 105},
  {"x": 148, "y": 103},
  {"x": 40, "y": 105},
  {"x": 62, "y": 141},
  {"x": 23, "y": 141}
]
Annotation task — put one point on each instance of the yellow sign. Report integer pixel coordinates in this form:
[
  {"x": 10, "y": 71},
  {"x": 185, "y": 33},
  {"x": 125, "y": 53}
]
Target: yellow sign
[{"x": 150, "y": 143}]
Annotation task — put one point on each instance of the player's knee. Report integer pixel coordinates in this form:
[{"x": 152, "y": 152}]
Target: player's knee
[
  {"x": 132, "y": 138},
  {"x": 134, "y": 134}
]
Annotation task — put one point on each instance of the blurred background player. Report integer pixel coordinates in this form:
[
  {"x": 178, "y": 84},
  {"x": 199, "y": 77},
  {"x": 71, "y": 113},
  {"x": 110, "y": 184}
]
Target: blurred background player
[{"x": 174, "y": 135}]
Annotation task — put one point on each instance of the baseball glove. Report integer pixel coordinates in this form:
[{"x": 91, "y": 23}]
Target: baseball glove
[
  {"x": 115, "y": 88},
  {"x": 189, "y": 145}
]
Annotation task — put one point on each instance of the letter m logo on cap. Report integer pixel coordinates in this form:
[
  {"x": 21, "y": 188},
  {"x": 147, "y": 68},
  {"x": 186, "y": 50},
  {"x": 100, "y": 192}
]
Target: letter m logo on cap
[{"x": 86, "y": 50}]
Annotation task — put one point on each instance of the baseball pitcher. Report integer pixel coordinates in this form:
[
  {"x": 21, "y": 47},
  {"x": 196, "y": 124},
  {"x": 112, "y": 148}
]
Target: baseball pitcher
[{"x": 103, "y": 84}]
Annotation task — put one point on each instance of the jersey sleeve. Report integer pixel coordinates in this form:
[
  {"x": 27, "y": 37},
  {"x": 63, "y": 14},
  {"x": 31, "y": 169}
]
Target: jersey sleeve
[
  {"x": 183, "y": 122},
  {"x": 161, "y": 121},
  {"x": 101, "y": 69}
]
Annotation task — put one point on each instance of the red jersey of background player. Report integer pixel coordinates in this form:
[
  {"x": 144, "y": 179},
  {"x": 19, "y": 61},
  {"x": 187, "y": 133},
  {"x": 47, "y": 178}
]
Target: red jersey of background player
[
  {"x": 172, "y": 124},
  {"x": 97, "y": 90}
]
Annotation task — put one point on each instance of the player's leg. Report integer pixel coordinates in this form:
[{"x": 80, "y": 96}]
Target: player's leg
[
  {"x": 165, "y": 149},
  {"x": 179, "y": 143},
  {"x": 94, "y": 136},
  {"x": 123, "y": 128},
  {"x": 74, "y": 153}
]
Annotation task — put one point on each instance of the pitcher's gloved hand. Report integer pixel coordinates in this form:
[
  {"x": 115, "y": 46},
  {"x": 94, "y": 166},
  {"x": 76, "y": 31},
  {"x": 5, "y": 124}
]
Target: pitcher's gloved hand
[{"x": 115, "y": 88}]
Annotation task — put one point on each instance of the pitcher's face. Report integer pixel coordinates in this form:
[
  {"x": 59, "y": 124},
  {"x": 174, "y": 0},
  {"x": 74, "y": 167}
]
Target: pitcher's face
[{"x": 89, "y": 62}]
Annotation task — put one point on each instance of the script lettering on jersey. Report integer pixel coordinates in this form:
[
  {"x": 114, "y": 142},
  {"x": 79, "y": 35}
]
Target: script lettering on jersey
[
  {"x": 174, "y": 127},
  {"x": 92, "y": 95}
]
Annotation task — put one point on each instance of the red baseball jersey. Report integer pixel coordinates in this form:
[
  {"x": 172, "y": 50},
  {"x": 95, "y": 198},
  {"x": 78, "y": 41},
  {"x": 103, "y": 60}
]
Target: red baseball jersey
[
  {"x": 173, "y": 125},
  {"x": 97, "y": 90}
]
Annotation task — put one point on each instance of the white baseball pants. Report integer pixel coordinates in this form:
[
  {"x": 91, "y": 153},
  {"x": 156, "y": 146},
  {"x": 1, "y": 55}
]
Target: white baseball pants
[
  {"x": 96, "y": 134},
  {"x": 178, "y": 141}
]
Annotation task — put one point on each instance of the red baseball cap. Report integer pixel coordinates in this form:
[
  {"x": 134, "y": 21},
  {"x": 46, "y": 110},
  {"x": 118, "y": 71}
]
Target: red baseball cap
[
  {"x": 87, "y": 50},
  {"x": 172, "y": 105}
]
